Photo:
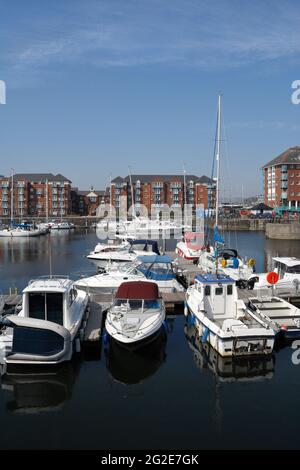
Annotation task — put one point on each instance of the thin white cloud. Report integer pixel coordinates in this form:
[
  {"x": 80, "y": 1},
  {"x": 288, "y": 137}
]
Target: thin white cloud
[
  {"x": 114, "y": 33},
  {"x": 265, "y": 125}
]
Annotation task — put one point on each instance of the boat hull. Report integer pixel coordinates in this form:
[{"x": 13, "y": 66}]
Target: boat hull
[{"x": 230, "y": 345}]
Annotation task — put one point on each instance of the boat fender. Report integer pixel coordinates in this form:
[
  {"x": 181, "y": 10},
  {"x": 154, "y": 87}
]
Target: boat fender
[
  {"x": 251, "y": 262},
  {"x": 81, "y": 334},
  {"x": 186, "y": 310},
  {"x": 205, "y": 334},
  {"x": 223, "y": 263},
  {"x": 283, "y": 327},
  {"x": 191, "y": 320}
]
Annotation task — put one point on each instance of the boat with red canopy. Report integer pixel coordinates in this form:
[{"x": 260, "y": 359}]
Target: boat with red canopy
[{"x": 137, "y": 313}]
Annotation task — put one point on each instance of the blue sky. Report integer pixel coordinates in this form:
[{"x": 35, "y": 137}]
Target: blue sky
[{"x": 96, "y": 86}]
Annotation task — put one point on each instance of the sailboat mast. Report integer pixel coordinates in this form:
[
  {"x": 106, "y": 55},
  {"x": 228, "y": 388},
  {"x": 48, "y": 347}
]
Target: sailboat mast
[
  {"x": 132, "y": 195},
  {"x": 184, "y": 185},
  {"x": 218, "y": 159},
  {"x": 12, "y": 199}
]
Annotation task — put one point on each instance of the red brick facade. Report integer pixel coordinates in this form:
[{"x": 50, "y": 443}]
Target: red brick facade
[
  {"x": 35, "y": 195},
  {"x": 282, "y": 180},
  {"x": 164, "y": 189}
]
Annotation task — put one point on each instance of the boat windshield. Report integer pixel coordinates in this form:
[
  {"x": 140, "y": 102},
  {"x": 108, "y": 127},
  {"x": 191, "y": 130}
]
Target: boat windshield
[
  {"x": 46, "y": 306},
  {"x": 139, "y": 305},
  {"x": 129, "y": 267},
  {"x": 157, "y": 271},
  {"x": 294, "y": 269}
]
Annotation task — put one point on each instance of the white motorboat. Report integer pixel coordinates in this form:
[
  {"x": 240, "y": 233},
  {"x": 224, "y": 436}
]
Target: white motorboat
[
  {"x": 61, "y": 226},
  {"x": 155, "y": 268},
  {"x": 138, "y": 226},
  {"x": 126, "y": 251},
  {"x": 288, "y": 270},
  {"x": 282, "y": 316},
  {"x": 50, "y": 325},
  {"x": 224, "y": 321},
  {"x": 190, "y": 247},
  {"x": 18, "y": 231},
  {"x": 137, "y": 314}
]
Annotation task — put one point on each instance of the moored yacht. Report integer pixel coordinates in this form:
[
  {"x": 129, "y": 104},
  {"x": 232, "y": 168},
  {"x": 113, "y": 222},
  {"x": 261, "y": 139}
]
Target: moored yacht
[
  {"x": 21, "y": 230},
  {"x": 224, "y": 321},
  {"x": 282, "y": 316},
  {"x": 123, "y": 252},
  {"x": 218, "y": 257},
  {"x": 288, "y": 270},
  {"x": 50, "y": 325},
  {"x": 227, "y": 261},
  {"x": 137, "y": 313},
  {"x": 190, "y": 247},
  {"x": 156, "y": 268}
]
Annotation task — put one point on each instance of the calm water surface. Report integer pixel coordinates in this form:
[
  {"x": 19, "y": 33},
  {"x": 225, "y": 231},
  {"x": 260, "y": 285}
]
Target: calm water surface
[{"x": 174, "y": 395}]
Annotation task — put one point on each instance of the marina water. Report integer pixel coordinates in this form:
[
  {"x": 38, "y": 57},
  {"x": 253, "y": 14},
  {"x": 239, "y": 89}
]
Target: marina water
[{"x": 177, "y": 394}]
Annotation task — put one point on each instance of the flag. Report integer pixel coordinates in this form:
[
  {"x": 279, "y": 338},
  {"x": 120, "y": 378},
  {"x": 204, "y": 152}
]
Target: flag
[{"x": 217, "y": 236}]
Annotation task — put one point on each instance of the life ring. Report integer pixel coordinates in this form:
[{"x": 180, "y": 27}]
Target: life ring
[{"x": 272, "y": 277}]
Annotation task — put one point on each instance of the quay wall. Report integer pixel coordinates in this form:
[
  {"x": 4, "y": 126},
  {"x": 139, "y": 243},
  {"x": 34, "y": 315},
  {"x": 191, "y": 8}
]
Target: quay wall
[
  {"x": 289, "y": 231},
  {"x": 240, "y": 224}
]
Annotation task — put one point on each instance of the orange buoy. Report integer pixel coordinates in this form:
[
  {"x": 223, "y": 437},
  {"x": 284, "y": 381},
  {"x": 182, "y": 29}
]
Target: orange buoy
[{"x": 272, "y": 277}]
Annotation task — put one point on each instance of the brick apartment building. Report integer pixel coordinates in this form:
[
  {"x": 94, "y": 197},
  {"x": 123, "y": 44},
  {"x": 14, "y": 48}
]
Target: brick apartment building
[
  {"x": 35, "y": 194},
  {"x": 164, "y": 189},
  {"x": 282, "y": 181},
  {"x": 86, "y": 202}
]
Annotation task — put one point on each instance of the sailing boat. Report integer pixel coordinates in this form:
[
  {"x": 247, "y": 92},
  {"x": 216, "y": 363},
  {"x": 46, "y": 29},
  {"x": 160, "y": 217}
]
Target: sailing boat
[
  {"x": 18, "y": 230},
  {"x": 218, "y": 258}
]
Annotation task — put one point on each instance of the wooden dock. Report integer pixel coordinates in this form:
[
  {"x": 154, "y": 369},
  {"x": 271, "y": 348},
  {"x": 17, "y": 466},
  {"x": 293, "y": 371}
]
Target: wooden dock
[{"x": 94, "y": 324}]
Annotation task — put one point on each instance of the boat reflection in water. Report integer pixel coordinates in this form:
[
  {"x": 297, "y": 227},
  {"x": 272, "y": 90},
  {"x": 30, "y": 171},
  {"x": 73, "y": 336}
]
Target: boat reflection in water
[
  {"x": 39, "y": 390},
  {"x": 132, "y": 366},
  {"x": 228, "y": 369}
]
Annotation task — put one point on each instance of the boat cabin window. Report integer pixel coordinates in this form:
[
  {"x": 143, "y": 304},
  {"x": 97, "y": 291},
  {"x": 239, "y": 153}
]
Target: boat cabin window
[
  {"x": 137, "y": 304},
  {"x": 46, "y": 306},
  {"x": 294, "y": 269},
  {"x": 35, "y": 341},
  {"x": 207, "y": 290},
  {"x": 72, "y": 296},
  {"x": 229, "y": 289},
  {"x": 219, "y": 290}
]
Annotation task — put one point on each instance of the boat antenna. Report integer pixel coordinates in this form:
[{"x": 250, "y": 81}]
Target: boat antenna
[{"x": 184, "y": 184}]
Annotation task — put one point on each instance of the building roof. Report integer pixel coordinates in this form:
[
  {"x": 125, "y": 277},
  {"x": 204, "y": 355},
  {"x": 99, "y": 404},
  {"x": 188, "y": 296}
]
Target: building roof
[
  {"x": 90, "y": 192},
  {"x": 289, "y": 156},
  {"x": 153, "y": 178},
  {"x": 261, "y": 207},
  {"x": 36, "y": 177}
]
